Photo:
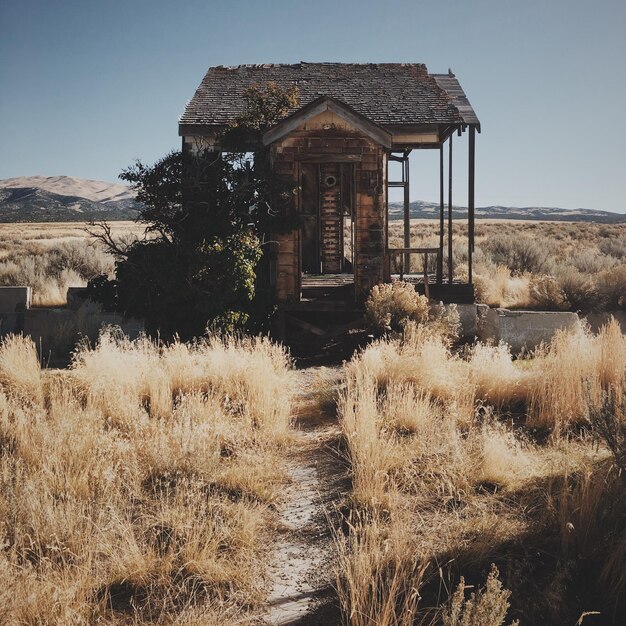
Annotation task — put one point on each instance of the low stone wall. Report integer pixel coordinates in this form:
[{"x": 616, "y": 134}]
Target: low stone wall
[
  {"x": 56, "y": 330},
  {"x": 524, "y": 330},
  {"x": 468, "y": 317}
]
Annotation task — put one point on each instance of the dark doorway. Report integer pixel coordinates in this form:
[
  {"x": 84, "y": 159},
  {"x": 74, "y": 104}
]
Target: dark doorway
[{"x": 327, "y": 210}]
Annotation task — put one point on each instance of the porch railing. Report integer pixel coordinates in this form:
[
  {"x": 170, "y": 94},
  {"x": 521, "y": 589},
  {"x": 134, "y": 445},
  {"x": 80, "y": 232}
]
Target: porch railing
[{"x": 405, "y": 258}]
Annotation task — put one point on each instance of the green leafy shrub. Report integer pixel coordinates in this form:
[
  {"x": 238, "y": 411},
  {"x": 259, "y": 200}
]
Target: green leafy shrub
[{"x": 205, "y": 216}]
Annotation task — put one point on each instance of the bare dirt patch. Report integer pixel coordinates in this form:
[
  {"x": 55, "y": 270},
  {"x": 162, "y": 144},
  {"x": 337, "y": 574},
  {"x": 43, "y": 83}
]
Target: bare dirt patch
[{"x": 301, "y": 571}]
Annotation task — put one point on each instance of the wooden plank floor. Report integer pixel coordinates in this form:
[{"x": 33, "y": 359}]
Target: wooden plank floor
[
  {"x": 328, "y": 287},
  {"x": 335, "y": 289},
  {"x": 327, "y": 280}
]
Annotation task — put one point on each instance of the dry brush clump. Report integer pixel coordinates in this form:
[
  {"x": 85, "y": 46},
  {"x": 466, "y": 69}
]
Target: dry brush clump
[
  {"x": 50, "y": 257},
  {"x": 487, "y": 606},
  {"x": 51, "y": 269},
  {"x": 572, "y": 374},
  {"x": 392, "y": 307},
  {"x": 138, "y": 487},
  {"x": 536, "y": 265},
  {"x": 463, "y": 459}
]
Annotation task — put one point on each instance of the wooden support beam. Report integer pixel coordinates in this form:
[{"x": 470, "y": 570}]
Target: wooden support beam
[
  {"x": 470, "y": 199},
  {"x": 407, "y": 212},
  {"x": 314, "y": 157},
  {"x": 426, "y": 287},
  {"x": 344, "y": 328},
  {"x": 413, "y": 250},
  {"x": 441, "y": 219},
  {"x": 450, "y": 209}
]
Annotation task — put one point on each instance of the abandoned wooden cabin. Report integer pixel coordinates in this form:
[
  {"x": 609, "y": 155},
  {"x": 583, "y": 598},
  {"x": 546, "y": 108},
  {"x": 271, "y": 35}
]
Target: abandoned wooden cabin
[{"x": 354, "y": 120}]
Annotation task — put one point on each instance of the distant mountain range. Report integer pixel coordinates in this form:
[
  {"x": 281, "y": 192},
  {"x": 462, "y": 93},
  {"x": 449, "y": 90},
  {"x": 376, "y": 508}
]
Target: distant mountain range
[
  {"x": 70, "y": 199},
  {"x": 429, "y": 210},
  {"x": 64, "y": 199}
]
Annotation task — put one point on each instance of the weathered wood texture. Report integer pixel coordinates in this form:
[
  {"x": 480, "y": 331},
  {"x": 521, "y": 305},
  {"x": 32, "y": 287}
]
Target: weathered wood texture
[
  {"x": 331, "y": 244},
  {"x": 335, "y": 144}
]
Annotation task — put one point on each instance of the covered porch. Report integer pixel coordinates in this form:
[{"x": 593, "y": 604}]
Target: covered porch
[{"x": 433, "y": 269}]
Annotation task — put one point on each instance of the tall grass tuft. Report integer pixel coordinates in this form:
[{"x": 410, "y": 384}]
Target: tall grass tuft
[
  {"x": 20, "y": 371},
  {"x": 467, "y": 457},
  {"x": 138, "y": 486},
  {"x": 572, "y": 372},
  {"x": 378, "y": 576}
]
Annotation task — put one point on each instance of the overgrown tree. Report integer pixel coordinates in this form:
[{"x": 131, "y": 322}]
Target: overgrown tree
[{"x": 207, "y": 220}]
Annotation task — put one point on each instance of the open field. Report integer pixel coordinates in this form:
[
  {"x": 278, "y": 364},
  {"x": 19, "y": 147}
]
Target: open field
[
  {"x": 537, "y": 265},
  {"x": 419, "y": 483},
  {"x": 50, "y": 257},
  {"x": 517, "y": 264}
]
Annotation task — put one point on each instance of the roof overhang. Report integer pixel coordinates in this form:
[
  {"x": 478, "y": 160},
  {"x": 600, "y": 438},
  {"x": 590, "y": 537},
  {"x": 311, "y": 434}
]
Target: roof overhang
[
  {"x": 321, "y": 105},
  {"x": 450, "y": 84}
]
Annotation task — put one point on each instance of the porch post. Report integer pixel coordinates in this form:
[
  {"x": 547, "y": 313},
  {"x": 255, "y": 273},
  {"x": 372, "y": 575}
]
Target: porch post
[
  {"x": 470, "y": 200},
  {"x": 406, "y": 261},
  {"x": 441, "y": 218},
  {"x": 450, "y": 209}
]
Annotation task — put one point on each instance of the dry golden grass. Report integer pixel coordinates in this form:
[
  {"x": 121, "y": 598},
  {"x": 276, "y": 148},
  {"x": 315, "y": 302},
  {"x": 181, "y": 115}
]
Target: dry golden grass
[
  {"x": 448, "y": 469},
  {"x": 573, "y": 371},
  {"x": 379, "y": 577},
  {"x": 586, "y": 262},
  {"x": 52, "y": 257},
  {"x": 137, "y": 487}
]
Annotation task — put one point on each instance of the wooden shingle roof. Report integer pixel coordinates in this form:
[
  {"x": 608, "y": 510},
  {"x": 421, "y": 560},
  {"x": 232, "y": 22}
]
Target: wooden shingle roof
[{"x": 388, "y": 94}]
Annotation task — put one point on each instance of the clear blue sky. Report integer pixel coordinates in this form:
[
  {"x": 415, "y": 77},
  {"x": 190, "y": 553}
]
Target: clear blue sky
[{"x": 88, "y": 86}]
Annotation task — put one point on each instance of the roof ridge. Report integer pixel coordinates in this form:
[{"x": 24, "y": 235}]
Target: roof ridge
[{"x": 301, "y": 63}]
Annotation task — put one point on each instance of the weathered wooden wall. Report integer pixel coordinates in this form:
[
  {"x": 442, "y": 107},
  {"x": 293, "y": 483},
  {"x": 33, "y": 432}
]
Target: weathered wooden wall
[{"x": 323, "y": 140}]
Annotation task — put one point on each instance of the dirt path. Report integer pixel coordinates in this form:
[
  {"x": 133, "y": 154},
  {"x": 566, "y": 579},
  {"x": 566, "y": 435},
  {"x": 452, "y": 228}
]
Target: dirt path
[{"x": 302, "y": 567}]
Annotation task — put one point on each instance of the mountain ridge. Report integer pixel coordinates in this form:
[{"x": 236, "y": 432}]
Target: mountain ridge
[
  {"x": 420, "y": 209},
  {"x": 73, "y": 199},
  {"x": 65, "y": 199}
]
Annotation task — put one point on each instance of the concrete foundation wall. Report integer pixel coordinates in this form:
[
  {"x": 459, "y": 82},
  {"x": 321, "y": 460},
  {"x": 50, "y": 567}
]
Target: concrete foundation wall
[
  {"x": 14, "y": 299},
  {"x": 56, "y": 330},
  {"x": 13, "y": 302},
  {"x": 522, "y": 329},
  {"x": 468, "y": 317}
]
